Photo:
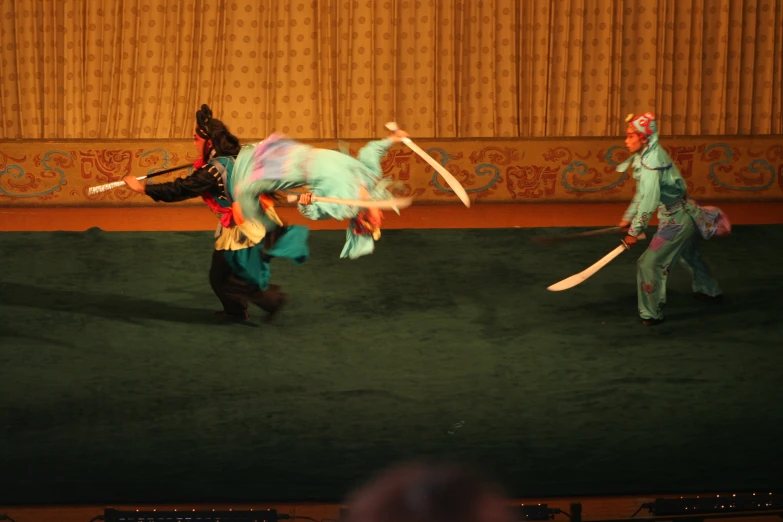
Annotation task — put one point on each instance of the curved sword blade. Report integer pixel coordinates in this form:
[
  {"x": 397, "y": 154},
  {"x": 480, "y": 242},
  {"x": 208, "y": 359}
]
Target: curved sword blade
[{"x": 584, "y": 275}]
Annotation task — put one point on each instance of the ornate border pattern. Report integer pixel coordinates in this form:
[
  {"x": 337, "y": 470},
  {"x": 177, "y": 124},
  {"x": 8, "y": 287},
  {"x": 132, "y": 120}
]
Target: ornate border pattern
[{"x": 34, "y": 173}]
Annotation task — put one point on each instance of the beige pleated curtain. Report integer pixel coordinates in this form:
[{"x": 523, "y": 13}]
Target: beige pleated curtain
[{"x": 109, "y": 69}]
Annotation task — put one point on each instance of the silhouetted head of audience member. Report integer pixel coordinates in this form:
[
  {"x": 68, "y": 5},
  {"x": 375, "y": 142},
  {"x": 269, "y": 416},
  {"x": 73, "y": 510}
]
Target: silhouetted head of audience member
[{"x": 418, "y": 492}]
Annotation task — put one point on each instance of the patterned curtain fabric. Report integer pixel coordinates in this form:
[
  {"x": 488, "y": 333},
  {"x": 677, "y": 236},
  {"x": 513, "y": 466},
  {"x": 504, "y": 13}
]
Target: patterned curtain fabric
[{"x": 114, "y": 69}]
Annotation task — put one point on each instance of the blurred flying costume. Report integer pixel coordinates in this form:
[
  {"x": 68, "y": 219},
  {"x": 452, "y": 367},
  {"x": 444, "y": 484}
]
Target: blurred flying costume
[
  {"x": 281, "y": 164},
  {"x": 660, "y": 186},
  {"x": 240, "y": 271}
]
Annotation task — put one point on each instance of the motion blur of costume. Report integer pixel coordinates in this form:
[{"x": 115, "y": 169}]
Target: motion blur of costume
[
  {"x": 240, "y": 272},
  {"x": 280, "y": 164}
]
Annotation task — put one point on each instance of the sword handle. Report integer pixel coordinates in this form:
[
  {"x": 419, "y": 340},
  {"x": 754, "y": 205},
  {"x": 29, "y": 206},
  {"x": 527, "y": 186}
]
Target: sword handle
[
  {"x": 92, "y": 191},
  {"x": 640, "y": 236}
]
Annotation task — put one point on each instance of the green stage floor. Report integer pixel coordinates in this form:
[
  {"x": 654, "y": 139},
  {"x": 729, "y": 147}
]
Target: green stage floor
[{"x": 116, "y": 385}]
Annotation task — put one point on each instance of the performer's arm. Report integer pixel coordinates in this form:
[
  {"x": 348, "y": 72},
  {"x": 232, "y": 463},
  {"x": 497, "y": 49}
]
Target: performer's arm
[
  {"x": 649, "y": 192},
  {"x": 199, "y": 182},
  {"x": 633, "y": 208}
]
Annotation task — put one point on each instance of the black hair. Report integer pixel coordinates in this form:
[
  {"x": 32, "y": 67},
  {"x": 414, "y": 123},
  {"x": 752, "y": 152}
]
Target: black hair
[{"x": 223, "y": 142}]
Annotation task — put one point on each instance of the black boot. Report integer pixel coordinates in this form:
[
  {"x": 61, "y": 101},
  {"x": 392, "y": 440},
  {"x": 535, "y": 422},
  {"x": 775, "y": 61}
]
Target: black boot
[
  {"x": 718, "y": 299},
  {"x": 281, "y": 302}
]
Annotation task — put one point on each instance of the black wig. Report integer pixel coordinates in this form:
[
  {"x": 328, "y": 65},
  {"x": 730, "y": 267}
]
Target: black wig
[{"x": 211, "y": 129}]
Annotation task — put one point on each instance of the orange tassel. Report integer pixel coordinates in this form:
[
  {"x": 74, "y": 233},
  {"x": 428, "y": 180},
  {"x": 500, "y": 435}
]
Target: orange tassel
[
  {"x": 266, "y": 202},
  {"x": 237, "y": 211}
]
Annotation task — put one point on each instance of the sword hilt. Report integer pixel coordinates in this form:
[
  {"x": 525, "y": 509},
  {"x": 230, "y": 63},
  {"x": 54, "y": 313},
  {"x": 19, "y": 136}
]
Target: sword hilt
[
  {"x": 640, "y": 236},
  {"x": 114, "y": 184},
  {"x": 104, "y": 188}
]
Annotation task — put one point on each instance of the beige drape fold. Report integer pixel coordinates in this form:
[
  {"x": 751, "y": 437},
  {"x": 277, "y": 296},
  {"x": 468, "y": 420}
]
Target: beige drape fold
[{"x": 109, "y": 69}]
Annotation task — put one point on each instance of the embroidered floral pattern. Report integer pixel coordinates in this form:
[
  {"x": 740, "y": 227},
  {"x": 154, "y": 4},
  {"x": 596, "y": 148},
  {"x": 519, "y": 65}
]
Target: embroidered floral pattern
[{"x": 711, "y": 221}]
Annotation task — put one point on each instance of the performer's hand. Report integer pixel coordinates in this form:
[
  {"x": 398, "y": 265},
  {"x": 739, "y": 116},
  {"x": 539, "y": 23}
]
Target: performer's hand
[
  {"x": 624, "y": 226},
  {"x": 398, "y": 135},
  {"x": 134, "y": 184},
  {"x": 306, "y": 198},
  {"x": 630, "y": 240}
]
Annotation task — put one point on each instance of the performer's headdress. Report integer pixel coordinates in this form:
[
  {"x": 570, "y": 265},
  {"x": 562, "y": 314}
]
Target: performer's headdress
[
  {"x": 646, "y": 125},
  {"x": 223, "y": 142},
  {"x": 203, "y": 119}
]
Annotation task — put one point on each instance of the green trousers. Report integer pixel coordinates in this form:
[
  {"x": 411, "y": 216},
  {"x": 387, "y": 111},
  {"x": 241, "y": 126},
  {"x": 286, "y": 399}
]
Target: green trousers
[{"x": 675, "y": 241}]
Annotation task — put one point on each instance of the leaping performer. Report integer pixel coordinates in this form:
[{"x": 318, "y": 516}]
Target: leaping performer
[
  {"x": 240, "y": 271},
  {"x": 659, "y": 185},
  {"x": 340, "y": 186}
]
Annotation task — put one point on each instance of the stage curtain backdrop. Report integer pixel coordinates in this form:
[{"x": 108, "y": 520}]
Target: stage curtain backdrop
[{"x": 325, "y": 69}]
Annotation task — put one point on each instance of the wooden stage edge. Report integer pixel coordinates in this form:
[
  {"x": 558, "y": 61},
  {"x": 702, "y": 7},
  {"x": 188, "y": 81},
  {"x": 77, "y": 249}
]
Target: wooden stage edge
[
  {"x": 488, "y": 215},
  {"x": 593, "y": 508}
]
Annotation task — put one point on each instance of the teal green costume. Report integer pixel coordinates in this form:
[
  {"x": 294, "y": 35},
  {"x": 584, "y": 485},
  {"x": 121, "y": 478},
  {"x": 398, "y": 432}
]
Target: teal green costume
[
  {"x": 660, "y": 186},
  {"x": 281, "y": 164}
]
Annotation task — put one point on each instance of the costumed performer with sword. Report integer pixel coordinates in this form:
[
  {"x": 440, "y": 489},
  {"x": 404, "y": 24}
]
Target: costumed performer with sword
[
  {"x": 240, "y": 270},
  {"x": 659, "y": 185}
]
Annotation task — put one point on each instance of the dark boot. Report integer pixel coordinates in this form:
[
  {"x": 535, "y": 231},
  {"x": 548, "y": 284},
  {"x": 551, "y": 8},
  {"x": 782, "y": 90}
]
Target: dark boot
[
  {"x": 718, "y": 299},
  {"x": 282, "y": 300}
]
